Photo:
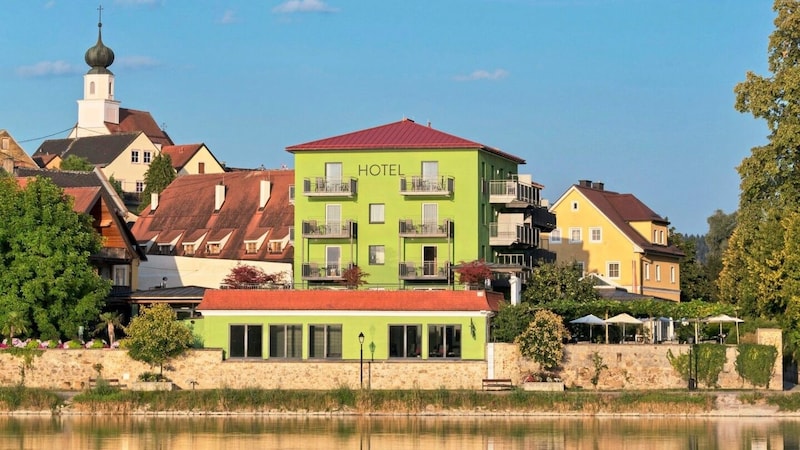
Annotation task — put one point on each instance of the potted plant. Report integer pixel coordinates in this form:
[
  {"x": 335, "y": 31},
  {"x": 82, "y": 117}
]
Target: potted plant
[{"x": 543, "y": 342}]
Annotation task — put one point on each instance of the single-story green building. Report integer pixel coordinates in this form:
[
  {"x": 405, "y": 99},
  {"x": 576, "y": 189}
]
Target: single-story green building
[{"x": 347, "y": 324}]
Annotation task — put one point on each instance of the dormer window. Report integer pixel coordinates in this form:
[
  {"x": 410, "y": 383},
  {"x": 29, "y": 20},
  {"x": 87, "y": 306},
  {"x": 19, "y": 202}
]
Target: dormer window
[
  {"x": 213, "y": 248},
  {"x": 251, "y": 247},
  {"x": 164, "y": 249},
  {"x": 274, "y": 247},
  {"x": 188, "y": 249}
]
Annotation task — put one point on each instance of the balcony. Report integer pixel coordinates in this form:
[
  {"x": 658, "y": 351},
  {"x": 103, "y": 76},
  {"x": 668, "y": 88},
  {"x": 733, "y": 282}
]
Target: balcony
[
  {"x": 516, "y": 234},
  {"x": 437, "y": 186},
  {"x": 329, "y": 187},
  {"x": 514, "y": 260},
  {"x": 427, "y": 270},
  {"x": 543, "y": 219},
  {"x": 331, "y": 230},
  {"x": 409, "y": 228},
  {"x": 323, "y": 272},
  {"x": 514, "y": 193}
]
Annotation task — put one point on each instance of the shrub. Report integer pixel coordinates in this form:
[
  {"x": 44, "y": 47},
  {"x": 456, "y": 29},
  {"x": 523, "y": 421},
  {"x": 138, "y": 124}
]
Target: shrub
[
  {"x": 543, "y": 340},
  {"x": 756, "y": 362}
]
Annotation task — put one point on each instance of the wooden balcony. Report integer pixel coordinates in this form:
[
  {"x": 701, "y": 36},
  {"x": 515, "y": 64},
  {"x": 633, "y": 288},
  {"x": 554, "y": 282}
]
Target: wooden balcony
[{"x": 438, "y": 186}]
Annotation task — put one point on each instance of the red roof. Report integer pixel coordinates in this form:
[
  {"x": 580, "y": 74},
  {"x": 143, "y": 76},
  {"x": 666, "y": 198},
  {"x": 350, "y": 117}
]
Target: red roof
[
  {"x": 131, "y": 120},
  {"x": 181, "y": 154},
  {"x": 85, "y": 197},
  {"x": 348, "y": 300},
  {"x": 405, "y": 134}
]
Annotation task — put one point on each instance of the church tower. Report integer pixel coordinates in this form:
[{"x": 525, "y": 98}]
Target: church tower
[{"x": 98, "y": 106}]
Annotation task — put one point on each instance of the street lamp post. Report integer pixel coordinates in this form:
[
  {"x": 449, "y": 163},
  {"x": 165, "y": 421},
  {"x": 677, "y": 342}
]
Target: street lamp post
[{"x": 361, "y": 359}]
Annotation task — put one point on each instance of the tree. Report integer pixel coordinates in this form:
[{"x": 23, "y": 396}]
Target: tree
[
  {"x": 77, "y": 163},
  {"x": 14, "y": 322},
  {"x": 45, "y": 273},
  {"x": 109, "y": 322},
  {"x": 553, "y": 282},
  {"x": 543, "y": 340},
  {"x": 720, "y": 228},
  {"x": 156, "y": 336},
  {"x": 754, "y": 268},
  {"x": 117, "y": 185},
  {"x": 694, "y": 283},
  {"x": 353, "y": 277},
  {"x": 245, "y": 275},
  {"x": 473, "y": 273},
  {"x": 158, "y": 176}
]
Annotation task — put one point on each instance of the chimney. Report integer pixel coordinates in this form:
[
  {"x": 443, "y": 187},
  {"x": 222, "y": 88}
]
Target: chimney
[
  {"x": 219, "y": 196},
  {"x": 598, "y": 185},
  {"x": 585, "y": 183},
  {"x": 153, "y": 201},
  {"x": 263, "y": 193}
]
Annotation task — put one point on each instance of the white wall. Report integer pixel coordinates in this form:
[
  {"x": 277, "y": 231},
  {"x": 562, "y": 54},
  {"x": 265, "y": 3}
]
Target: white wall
[{"x": 189, "y": 271}]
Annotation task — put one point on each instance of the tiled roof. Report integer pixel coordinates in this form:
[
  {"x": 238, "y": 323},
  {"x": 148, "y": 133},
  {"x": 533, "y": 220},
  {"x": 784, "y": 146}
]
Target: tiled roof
[
  {"x": 131, "y": 120},
  {"x": 85, "y": 197},
  {"x": 180, "y": 154},
  {"x": 64, "y": 178},
  {"x": 187, "y": 205},
  {"x": 98, "y": 150},
  {"x": 348, "y": 300},
  {"x": 621, "y": 210},
  {"x": 44, "y": 159},
  {"x": 405, "y": 134}
]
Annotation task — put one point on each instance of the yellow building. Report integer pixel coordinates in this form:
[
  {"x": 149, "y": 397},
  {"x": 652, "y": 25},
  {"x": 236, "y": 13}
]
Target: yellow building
[{"x": 618, "y": 238}]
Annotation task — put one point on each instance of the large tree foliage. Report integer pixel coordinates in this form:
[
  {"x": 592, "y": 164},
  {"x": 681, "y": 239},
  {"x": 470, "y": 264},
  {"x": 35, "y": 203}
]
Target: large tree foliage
[
  {"x": 45, "y": 276},
  {"x": 720, "y": 228},
  {"x": 155, "y": 336},
  {"x": 694, "y": 283},
  {"x": 551, "y": 282},
  {"x": 756, "y": 268},
  {"x": 543, "y": 340},
  {"x": 158, "y": 176},
  {"x": 76, "y": 163}
]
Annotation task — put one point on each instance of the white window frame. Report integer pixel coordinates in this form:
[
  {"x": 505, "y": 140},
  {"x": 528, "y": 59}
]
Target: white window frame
[
  {"x": 377, "y": 213},
  {"x": 592, "y": 231},
  {"x": 572, "y": 230},
  {"x": 147, "y": 157},
  {"x": 647, "y": 271},
  {"x": 555, "y": 236},
  {"x": 121, "y": 275},
  {"x": 575, "y": 205},
  {"x": 135, "y": 156},
  {"x": 139, "y": 187},
  {"x": 582, "y": 266},
  {"x": 609, "y": 267},
  {"x": 377, "y": 255},
  {"x": 672, "y": 274},
  {"x": 658, "y": 272}
]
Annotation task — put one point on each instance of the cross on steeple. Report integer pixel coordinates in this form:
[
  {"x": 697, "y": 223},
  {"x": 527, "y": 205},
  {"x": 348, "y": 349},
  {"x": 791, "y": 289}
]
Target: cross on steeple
[{"x": 100, "y": 15}]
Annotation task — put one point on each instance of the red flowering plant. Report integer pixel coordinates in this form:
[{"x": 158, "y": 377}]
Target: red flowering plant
[{"x": 473, "y": 273}]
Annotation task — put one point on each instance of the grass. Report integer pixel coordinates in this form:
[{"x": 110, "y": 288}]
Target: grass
[{"x": 20, "y": 398}]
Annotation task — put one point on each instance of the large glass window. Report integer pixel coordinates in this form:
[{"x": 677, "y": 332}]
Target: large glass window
[
  {"x": 325, "y": 341},
  {"x": 245, "y": 341},
  {"x": 376, "y": 254},
  {"x": 285, "y": 341},
  {"x": 376, "y": 213},
  {"x": 444, "y": 341},
  {"x": 405, "y": 341}
]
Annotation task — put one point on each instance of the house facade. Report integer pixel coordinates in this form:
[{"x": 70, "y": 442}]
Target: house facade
[
  {"x": 618, "y": 238},
  {"x": 201, "y": 226},
  {"x": 406, "y": 203},
  {"x": 12, "y": 154},
  {"x": 192, "y": 159},
  {"x": 340, "y": 325}
]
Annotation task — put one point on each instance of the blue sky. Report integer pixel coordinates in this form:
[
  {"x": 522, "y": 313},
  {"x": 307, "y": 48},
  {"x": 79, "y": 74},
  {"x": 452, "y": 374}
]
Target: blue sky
[{"x": 637, "y": 94}]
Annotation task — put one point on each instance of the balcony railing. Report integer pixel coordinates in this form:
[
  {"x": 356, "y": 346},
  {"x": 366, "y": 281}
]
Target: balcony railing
[
  {"x": 438, "y": 186},
  {"x": 334, "y": 230},
  {"x": 317, "y": 271},
  {"x": 427, "y": 270},
  {"x": 543, "y": 219},
  {"x": 515, "y": 259},
  {"x": 507, "y": 234},
  {"x": 410, "y": 228},
  {"x": 514, "y": 193},
  {"x": 330, "y": 187}
]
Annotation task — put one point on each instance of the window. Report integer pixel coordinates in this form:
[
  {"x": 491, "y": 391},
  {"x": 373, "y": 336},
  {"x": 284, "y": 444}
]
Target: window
[
  {"x": 121, "y": 276},
  {"x": 647, "y": 271},
  {"x": 575, "y": 235},
  {"x": 274, "y": 247},
  {"x": 91, "y": 87},
  {"x": 139, "y": 187},
  {"x": 285, "y": 341},
  {"x": 661, "y": 237},
  {"x": 612, "y": 269},
  {"x": 201, "y": 167},
  {"x": 430, "y": 218},
  {"x": 444, "y": 341},
  {"x": 655, "y": 236},
  {"x": 291, "y": 194},
  {"x": 658, "y": 272},
  {"x": 5, "y": 143},
  {"x": 135, "y": 156},
  {"x": 164, "y": 249},
  {"x": 333, "y": 260},
  {"x": 245, "y": 341},
  {"x": 555, "y": 236},
  {"x": 376, "y": 254},
  {"x": 333, "y": 176},
  {"x": 325, "y": 341},
  {"x": 672, "y": 274},
  {"x": 291, "y": 234},
  {"x": 333, "y": 219},
  {"x": 213, "y": 248},
  {"x": 580, "y": 266},
  {"x": 595, "y": 234},
  {"x": 376, "y": 213},
  {"x": 188, "y": 249},
  {"x": 405, "y": 341},
  {"x": 574, "y": 206},
  {"x": 251, "y": 247},
  {"x": 146, "y": 157}
]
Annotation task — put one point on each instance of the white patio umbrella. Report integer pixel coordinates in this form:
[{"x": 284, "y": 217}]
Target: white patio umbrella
[
  {"x": 591, "y": 320},
  {"x": 724, "y": 318},
  {"x": 623, "y": 319}
]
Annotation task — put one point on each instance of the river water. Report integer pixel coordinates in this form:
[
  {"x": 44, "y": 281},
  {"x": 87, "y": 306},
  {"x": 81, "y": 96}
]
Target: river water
[{"x": 457, "y": 433}]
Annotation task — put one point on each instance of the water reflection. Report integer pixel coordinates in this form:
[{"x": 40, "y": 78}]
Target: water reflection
[{"x": 396, "y": 433}]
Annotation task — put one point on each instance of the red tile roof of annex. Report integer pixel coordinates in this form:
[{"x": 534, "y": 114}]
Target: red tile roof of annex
[
  {"x": 348, "y": 300},
  {"x": 405, "y": 134},
  {"x": 180, "y": 154}
]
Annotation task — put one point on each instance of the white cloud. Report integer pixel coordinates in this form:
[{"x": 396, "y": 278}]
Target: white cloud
[
  {"x": 136, "y": 2},
  {"x": 50, "y": 4},
  {"x": 47, "y": 69},
  {"x": 498, "y": 74},
  {"x": 295, "y": 6},
  {"x": 228, "y": 17},
  {"x": 137, "y": 62}
]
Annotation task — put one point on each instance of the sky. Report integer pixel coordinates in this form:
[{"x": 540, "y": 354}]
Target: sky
[{"x": 637, "y": 94}]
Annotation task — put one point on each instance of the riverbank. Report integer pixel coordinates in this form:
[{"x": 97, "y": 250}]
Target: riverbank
[{"x": 347, "y": 402}]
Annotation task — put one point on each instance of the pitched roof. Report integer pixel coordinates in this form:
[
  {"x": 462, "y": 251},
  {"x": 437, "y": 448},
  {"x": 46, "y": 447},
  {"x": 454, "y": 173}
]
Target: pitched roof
[
  {"x": 348, "y": 300},
  {"x": 15, "y": 151},
  {"x": 99, "y": 150},
  {"x": 180, "y": 154},
  {"x": 85, "y": 197},
  {"x": 44, "y": 159},
  {"x": 132, "y": 120},
  {"x": 239, "y": 215},
  {"x": 621, "y": 210},
  {"x": 405, "y": 134}
]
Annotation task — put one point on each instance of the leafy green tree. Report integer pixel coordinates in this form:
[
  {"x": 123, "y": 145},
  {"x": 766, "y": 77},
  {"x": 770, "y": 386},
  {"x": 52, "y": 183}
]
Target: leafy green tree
[
  {"x": 117, "y": 185},
  {"x": 156, "y": 336},
  {"x": 45, "y": 273},
  {"x": 564, "y": 281},
  {"x": 77, "y": 163},
  {"x": 720, "y": 228},
  {"x": 694, "y": 283},
  {"x": 543, "y": 340},
  {"x": 14, "y": 323},
  {"x": 158, "y": 176},
  {"x": 511, "y": 321}
]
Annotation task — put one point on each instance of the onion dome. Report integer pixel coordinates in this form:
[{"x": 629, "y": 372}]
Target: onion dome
[{"x": 99, "y": 57}]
